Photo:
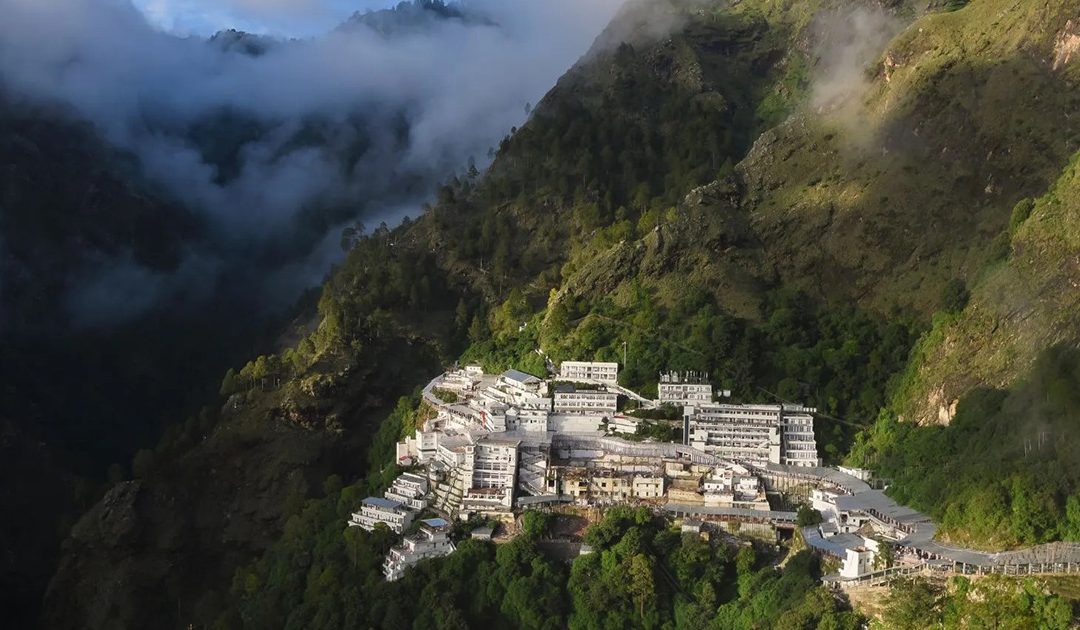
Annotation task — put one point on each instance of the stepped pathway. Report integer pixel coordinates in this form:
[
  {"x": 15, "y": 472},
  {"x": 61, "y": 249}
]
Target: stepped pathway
[
  {"x": 532, "y": 472},
  {"x": 448, "y": 494}
]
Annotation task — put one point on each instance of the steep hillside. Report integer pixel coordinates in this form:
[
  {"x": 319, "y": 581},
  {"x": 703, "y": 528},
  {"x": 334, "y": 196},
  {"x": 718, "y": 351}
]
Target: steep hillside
[
  {"x": 899, "y": 178},
  {"x": 1020, "y": 305},
  {"x": 688, "y": 196},
  {"x": 399, "y": 306}
]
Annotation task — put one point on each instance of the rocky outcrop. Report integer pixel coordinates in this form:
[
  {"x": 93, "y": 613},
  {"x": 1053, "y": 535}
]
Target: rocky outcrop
[{"x": 1067, "y": 44}]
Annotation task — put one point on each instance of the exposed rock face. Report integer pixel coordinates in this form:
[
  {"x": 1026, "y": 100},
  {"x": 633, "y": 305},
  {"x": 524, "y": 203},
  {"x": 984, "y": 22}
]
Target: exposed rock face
[
  {"x": 1067, "y": 44},
  {"x": 946, "y": 409}
]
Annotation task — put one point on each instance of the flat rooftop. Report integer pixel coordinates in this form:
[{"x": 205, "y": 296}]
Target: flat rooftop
[
  {"x": 521, "y": 377},
  {"x": 382, "y": 503}
]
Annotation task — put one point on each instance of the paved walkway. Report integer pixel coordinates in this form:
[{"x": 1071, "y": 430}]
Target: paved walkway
[{"x": 919, "y": 529}]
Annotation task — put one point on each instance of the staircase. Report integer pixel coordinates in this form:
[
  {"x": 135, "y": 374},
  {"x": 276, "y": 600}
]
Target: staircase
[{"x": 449, "y": 493}]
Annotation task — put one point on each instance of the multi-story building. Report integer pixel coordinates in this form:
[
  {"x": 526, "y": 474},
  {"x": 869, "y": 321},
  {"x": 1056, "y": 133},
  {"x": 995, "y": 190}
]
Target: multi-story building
[
  {"x": 527, "y": 419},
  {"x": 493, "y": 419},
  {"x": 487, "y": 501},
  {"x": 569, "y": 399},
  {"x": 778, "y": 434},
  {"x": 409, "y": 490},
  {"x": 623, "y": 424},
  {"x": 734, "y": 486},
  {"x": 648, "y": 486},
  {"x": 492, "y": 462},
  {"x": 521, "y": 384},
  {"x": 375, "y": 510},
  {"x": 432, "y": 540},
  {"x": 797, "y": 444},
  {"x": 452, "y": 448},
  {"x": 684, "y": 388},
  {"x": 589, "y": 371},
  {"x": 609, "y": 485}
]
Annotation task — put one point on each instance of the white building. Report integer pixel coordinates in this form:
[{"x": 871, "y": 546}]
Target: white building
[
  {"x": 460, "y": 381},
  {"x": 684, "y": 388},
  {"x": 422, "y": 448},
  {"x": 778, "y": 434},
  {"x": 492, "y": 462},
  {"x": 648, "y": 486},
  {"x": 862, "y": 474},
  {"x": 374, "y": 510},
  {"x": 734, "y": 486},
  {"x": 493, "y": 420},
  {"x": 409, "y": 490},
  {"x": 569, "y": 399},
  {"x": 431, "y": 541},
  {"x": 520, "y": 383},
  {"x": 857, "y": 554},
  {"x": 824, "y": 501},
  {"x": 623, "y": 424},
  {"x": 589, "y": 371},
  {"x": 527, "y": 419},
  {"x": 452, "y": 448},
  {"x": 798, "y": 446}
]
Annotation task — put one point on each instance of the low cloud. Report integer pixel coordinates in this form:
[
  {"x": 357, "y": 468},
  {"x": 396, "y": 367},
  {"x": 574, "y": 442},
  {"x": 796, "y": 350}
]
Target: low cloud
[
  {"x": 352, "y": 119},
  {"x": 847, "y": 43}
]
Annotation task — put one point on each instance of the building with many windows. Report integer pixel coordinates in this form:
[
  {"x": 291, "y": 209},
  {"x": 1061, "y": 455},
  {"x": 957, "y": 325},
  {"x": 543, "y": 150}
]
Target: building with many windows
[
  {"x": 684, "y": 388},
  {"x": 432, "y": 540},
  {"x": 569, "y": 399},
  {"x": 492, "y": 461},
  {"x": 589, "y": 371},
  {"x": 375, "y": 510},
  {"x": 733, "y": 486},
  {"x": 409, "y": 490},
  {"x": 778, "y": 434}
]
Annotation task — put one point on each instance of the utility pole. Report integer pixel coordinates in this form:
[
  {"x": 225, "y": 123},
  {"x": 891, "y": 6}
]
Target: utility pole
[{"x": 624, "y": 355}]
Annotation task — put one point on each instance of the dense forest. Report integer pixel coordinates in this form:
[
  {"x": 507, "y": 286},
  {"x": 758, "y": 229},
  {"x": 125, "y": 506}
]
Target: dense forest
[
  {"x": 1004, "y": 472},
  {"x": 641, "y": 573},
  {"x": 674, "y": 203}
]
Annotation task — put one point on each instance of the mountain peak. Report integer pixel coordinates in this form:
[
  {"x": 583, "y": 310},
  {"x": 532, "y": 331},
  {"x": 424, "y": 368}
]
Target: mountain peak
[{"x": 411, "y": 16}]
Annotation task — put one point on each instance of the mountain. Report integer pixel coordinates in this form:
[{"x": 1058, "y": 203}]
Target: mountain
[
  {"x": 411, "y": 18},
  {"x": 1021, "y": 300},
  {"x": 785, "y": 194},
  {"x": 76, "y": 396},
  {"x": 142, "y": 256}
]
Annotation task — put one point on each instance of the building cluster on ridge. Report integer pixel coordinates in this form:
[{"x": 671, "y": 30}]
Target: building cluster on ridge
[{"x": 502, "y": 442}]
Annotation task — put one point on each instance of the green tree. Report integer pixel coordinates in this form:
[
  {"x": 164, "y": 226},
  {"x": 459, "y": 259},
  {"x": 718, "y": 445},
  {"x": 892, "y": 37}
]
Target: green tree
[
  {"x": 642, "y": 585},
  {"x": 807, "y": 516},
  {"x": 954, "y": 296},
  {"x": 229, "y": 384},
  {"x": 537, "y": 524}
]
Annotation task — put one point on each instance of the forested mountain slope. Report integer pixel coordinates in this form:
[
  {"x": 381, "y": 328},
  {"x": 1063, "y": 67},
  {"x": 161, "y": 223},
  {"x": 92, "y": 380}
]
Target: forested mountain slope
[{"x": 725, "y": 193}]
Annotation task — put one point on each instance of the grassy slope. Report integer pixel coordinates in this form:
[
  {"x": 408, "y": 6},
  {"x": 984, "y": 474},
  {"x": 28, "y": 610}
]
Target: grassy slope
[
  {"x": 1022, "y": 306},
  {"x": 791, "y": 217},
  {"x": 1019, "y": 307},
  {"x": 886, "y": 196}
]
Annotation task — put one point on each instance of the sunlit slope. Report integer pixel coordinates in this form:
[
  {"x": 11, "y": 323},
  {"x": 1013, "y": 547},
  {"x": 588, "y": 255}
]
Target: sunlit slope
[{"x": 886, "y": 189}]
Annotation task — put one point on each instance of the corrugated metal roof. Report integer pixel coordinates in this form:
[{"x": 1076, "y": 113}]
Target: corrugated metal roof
[{"x": 383, "y": 503}]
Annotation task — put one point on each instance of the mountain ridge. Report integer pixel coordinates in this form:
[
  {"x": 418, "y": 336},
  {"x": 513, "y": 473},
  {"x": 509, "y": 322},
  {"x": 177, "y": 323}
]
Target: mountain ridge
[{"x": 729, "y": 213}]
